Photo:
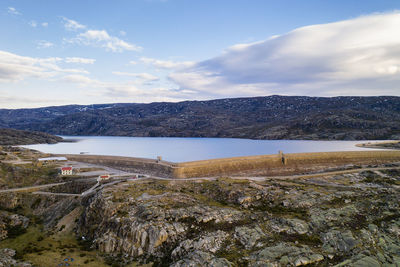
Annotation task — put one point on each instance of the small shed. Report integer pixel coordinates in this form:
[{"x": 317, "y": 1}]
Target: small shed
[{"x": 103, "y": 177}]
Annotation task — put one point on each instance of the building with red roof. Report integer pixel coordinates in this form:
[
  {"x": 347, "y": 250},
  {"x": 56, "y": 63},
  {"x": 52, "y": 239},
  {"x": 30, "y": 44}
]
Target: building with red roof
[{"x": 66, "y": 171}]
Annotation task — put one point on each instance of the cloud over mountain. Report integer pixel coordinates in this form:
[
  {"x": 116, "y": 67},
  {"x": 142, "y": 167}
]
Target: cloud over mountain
[{"x": 359, "y": 56}]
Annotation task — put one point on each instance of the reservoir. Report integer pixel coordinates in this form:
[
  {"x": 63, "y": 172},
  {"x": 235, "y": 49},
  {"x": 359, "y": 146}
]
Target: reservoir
[{"x": 189, "y": 149}]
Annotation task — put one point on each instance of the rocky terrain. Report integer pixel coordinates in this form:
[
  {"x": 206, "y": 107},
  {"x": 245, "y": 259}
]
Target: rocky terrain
[
  {"x": 272, "y": 117},
  {"x": 346, "y": 218},
  {"x": 19, "y": 137},
  {"x": 12, "y": 224},
  {"x": 343, "y": 220},
  {"x": 7, "y": 259}
]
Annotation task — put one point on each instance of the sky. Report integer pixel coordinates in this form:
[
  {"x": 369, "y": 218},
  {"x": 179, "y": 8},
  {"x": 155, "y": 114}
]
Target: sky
[{"x": 102, "y": 51}]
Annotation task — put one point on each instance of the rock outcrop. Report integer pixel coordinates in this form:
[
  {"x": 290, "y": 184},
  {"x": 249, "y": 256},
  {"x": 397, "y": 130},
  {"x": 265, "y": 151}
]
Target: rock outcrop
[
  {"x": 344, "y": 220},
  {"x": 12, "y": 224},
  {"x": 7, "y": 259}
]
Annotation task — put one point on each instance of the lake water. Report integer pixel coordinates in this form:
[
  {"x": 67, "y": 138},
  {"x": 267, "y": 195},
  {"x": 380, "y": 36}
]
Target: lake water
[{"x": 189, "y": 149}]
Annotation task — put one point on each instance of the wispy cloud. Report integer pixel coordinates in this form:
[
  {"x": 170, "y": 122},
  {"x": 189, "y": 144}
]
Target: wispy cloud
[
  {"x": 79, "y": 60},
  {"x": 33, "y": 24},
  {"x": 166, "y": 64},
  {"x": 359, "y": 56},
  {"x": 97, "y": 38},
  {"x": 44, "y": 44},
  {"x": 122, "y": 90},
  {"x": 15, "y": 67},
  {"x": 82, "y": 80},
  {"x": 101, "y": 38},
  {"x": 13, "y": 11},
  {"x": 72, "y": 25},
  {"x": 144, "y": 76}
]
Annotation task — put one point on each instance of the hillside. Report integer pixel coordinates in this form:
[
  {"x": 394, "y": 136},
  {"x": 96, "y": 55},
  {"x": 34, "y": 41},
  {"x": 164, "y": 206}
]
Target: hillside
[
  {"x": 18, "y": 137},
  {"x": 272, "y": 117}
]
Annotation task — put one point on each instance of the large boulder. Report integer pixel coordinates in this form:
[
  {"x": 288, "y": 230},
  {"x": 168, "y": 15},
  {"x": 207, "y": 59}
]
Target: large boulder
[
  {"x": 284, "y": 254},
  {"x": 7, "y": 259}
]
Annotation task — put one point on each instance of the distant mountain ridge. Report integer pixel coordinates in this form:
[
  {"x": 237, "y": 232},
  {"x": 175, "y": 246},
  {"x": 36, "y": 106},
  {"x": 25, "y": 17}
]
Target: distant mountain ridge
[{"x": 270, "y": 117}]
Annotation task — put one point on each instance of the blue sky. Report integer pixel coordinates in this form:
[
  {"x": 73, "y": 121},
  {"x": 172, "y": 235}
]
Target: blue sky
[{"x": 95, "y": 51}]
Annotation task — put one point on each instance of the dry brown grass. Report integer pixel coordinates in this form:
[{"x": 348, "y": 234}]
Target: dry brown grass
[{"x": 295, "y": 163}]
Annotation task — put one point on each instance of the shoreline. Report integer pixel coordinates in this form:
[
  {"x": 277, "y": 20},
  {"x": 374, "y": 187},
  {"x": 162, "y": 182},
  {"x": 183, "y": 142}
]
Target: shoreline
[{"x": 389, "y": 144}]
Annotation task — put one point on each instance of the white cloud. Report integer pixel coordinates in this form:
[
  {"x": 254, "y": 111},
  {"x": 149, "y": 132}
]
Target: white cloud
[
  {"x": 144, "y": 76},
  {"x": 132, "y": 62},
  {"x": 72, "y": 25},
  {"x": 15, "y": 68},
  {"x": 79, "y": 60},
  {"x": 48, "y": 71},
  {"x": 101, "y": 38},
  {"x": 166, "y": 64},
  {"x": 44, "y": 44},
  {"x": 33, "y": 24},
  {"x": 81, "y": 80},
  {"x": 122, "y": 33},
  {"x": 136, "y": 90},
  {"x": 13, "y": 11},
  {"x": 360, "y": 56}
]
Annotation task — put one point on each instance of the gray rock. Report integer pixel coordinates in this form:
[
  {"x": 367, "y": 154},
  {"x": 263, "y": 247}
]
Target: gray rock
[
  {"x": 284, "y": 254},
  {"x": 249, "y": 237},
  {"x": 360, "y": 261},
  {"x": 8, "y": 220},
  {"x": 211, "y": 242},
  {"x": 7, "y": 259},
  {"x": 336, "y": 241},
  {"x": 200, "y": 259},
  {"x": 290, "y": 226}
]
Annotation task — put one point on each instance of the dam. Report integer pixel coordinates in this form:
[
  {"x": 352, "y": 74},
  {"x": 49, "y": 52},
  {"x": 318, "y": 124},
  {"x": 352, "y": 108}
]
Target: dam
[{"x": 264, "y": 165}]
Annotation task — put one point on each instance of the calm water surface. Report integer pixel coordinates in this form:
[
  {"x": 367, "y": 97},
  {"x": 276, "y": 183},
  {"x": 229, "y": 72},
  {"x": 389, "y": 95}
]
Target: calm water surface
[{"x": 189, "y": 149}]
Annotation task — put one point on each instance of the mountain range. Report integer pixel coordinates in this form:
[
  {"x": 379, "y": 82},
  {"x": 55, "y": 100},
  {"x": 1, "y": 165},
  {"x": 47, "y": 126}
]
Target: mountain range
[{"x": 270, "y": 117}]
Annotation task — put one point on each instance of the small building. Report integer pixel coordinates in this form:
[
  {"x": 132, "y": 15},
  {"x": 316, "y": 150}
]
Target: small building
[
  {"x": 52, "y": 159},
  {"x": 103, "y": 177},
  {"x": 66, "y": 171}
]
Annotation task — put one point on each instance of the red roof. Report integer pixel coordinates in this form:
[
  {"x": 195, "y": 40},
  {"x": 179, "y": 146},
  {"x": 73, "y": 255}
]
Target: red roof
[
  {"x": 66, "y": 168},
  {"x": 104, "y": 176}
]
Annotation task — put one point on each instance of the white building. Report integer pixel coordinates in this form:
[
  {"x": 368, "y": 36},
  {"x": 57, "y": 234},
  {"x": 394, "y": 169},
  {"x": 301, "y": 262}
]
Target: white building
[
  {"x": 52, "y": 159},
  {"x": 66, "y": 171},
  {"x": 103, "y": 177}
]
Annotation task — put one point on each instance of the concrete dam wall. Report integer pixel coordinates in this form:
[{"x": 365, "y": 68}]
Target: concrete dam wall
[
  {"x": 266, "y": 165},
  {"x": 282, "y": 164}
]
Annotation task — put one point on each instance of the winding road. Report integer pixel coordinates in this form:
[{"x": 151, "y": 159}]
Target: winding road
[{"x": 98, "y": 187}]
